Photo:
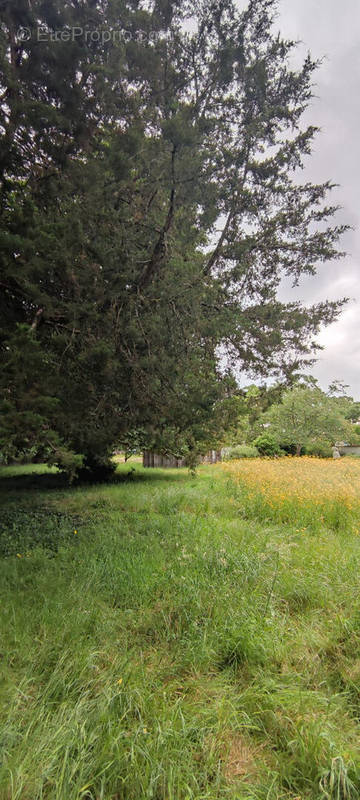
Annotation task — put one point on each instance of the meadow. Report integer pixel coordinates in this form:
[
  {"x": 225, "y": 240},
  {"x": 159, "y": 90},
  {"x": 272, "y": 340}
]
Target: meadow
[{"x": 175, "y": 637}]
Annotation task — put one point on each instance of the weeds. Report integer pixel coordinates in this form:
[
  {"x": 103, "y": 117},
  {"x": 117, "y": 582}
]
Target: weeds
[
  {"x": 336, "y": 783},
  {"x": 314, "y": 493},
  {"x": 23, "y": 529}
]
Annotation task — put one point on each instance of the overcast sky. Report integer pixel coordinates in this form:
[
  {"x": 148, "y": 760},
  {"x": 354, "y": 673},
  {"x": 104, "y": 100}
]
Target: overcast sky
[{"x": 332, "y": 29}]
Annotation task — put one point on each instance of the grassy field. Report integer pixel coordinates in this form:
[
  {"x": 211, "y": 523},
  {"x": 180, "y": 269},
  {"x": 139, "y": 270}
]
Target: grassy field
[{"x": 181, "y": 638}]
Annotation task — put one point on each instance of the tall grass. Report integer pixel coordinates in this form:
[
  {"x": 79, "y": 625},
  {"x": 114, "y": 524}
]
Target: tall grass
[
  {"x": 171, "y": 648},
  {"x": 314, "y": 493}
]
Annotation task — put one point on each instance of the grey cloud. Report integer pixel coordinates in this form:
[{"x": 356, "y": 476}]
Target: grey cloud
[{"x": 332, "y": 29}]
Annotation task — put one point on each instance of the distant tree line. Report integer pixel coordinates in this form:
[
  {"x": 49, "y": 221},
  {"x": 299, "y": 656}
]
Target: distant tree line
[{"x": 298, "y": 420}]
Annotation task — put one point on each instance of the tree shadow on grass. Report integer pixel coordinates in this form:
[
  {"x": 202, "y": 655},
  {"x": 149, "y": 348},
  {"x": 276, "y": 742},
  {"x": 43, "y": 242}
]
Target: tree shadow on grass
[{"x": 47, "y": 481}]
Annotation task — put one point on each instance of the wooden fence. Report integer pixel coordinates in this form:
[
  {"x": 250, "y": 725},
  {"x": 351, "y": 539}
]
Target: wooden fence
[{"x": 151, "y": 459}]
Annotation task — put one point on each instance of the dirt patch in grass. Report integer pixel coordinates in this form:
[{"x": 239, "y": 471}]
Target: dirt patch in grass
[{"x": 241, "y": 760}]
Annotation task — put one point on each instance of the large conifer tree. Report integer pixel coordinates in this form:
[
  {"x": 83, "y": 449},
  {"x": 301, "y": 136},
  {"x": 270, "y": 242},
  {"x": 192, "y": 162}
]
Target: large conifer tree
[{"x": 121, "y": 157}]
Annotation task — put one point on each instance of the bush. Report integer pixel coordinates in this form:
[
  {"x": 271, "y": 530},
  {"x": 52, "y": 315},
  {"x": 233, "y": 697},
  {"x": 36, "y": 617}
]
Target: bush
[
  {"x": 36, "y": 454},
  {"x": 355, "y": 434},
  {"x": 241, "y": 451},
  {"x": 319, "y": 448},
  {"x": 267, "y": 445}
]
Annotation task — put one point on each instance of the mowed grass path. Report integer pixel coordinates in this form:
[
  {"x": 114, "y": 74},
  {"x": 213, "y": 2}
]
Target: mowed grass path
[{"x": 168, "y": 638}]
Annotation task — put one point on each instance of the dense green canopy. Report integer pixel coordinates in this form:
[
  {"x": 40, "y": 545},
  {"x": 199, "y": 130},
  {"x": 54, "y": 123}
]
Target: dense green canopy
[{"x": 150, "y": 205}]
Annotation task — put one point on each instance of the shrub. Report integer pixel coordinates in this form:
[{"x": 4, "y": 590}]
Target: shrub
[
  {"x": 267, "y": 445},
  {"x": 320, "y": 448},
  {"x": 241, "y": 451},
  {"x": 355, "y": 434}
]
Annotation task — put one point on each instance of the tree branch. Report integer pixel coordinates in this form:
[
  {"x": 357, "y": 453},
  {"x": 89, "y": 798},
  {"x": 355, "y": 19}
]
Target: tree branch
[
  {"x": 160, "y": 247},
  {"x": 234, "y": 207},
  {"x": 36, "y": 320}
]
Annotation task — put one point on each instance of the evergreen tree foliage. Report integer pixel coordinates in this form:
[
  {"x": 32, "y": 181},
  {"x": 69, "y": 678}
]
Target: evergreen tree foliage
[{"x": 150, "y": 205}]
